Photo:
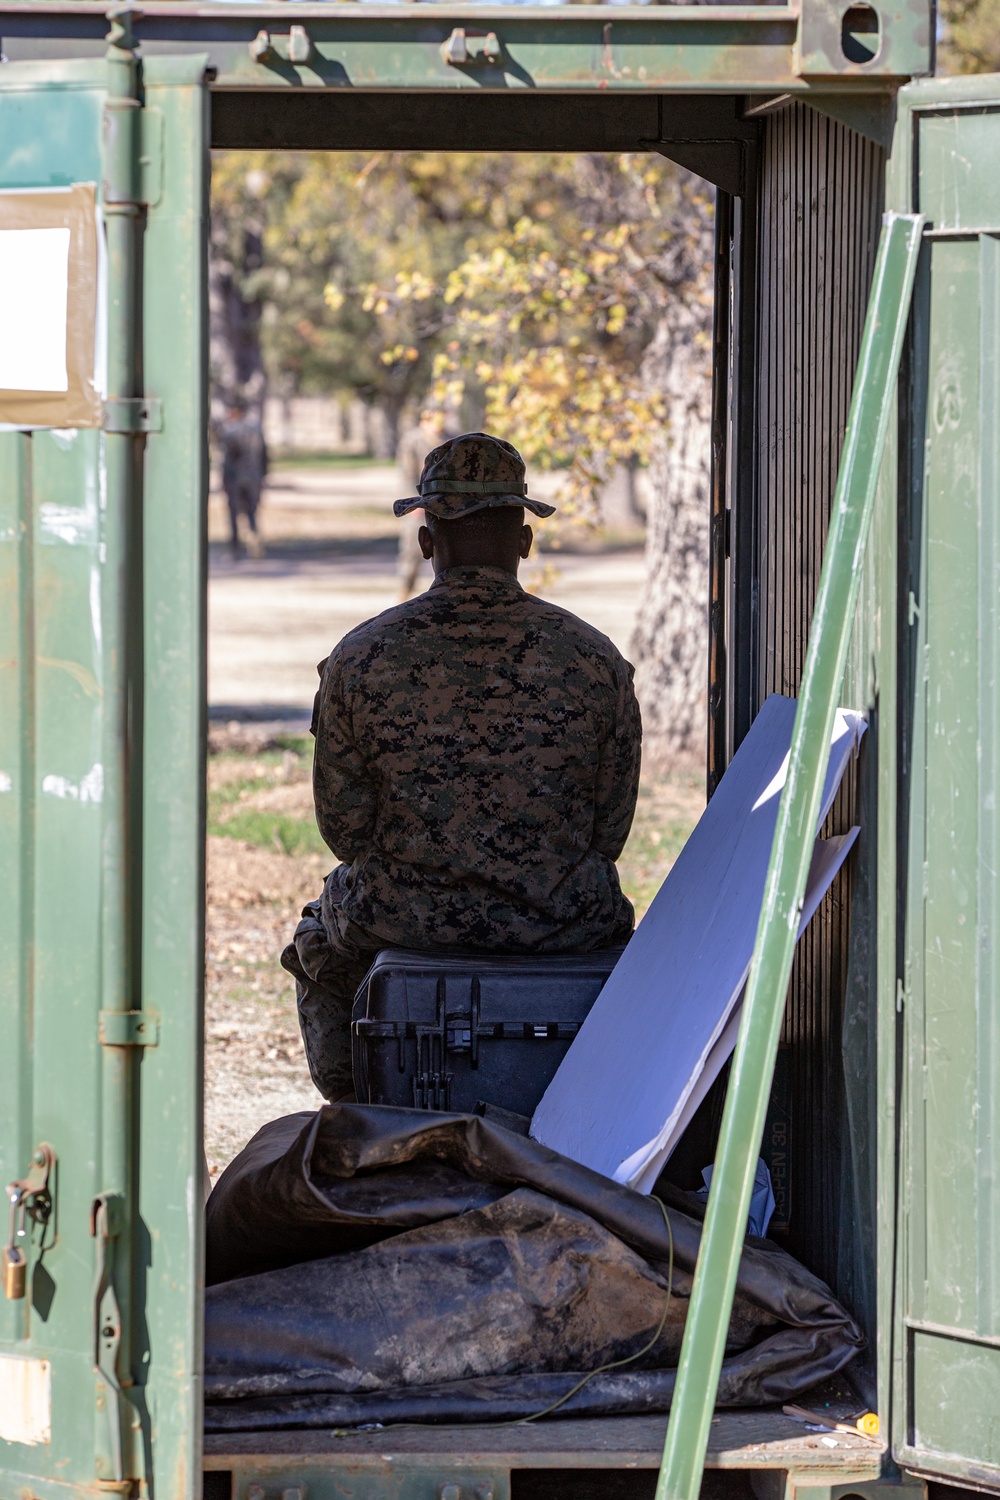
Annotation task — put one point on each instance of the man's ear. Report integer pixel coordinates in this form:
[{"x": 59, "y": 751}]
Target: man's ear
[
  {"x": 524, "y": 542},
  {"x": 426, "y": 543}
]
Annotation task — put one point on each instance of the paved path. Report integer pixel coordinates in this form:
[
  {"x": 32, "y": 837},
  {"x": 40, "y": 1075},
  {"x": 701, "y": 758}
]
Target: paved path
[{"x": 331, "y": 563}]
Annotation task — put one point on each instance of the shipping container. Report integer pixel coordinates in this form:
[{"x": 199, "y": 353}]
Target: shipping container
[{"x": 812, "y": 121}]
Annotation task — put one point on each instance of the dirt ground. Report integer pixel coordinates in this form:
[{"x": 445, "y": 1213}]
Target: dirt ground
[
  {"x": 330, "y": 562},
  {"x": 255, "y": 1068}
]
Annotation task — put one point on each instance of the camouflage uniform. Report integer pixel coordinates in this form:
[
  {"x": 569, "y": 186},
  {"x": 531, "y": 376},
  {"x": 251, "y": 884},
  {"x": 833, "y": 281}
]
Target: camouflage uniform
[{"x": 477, "y": 764}]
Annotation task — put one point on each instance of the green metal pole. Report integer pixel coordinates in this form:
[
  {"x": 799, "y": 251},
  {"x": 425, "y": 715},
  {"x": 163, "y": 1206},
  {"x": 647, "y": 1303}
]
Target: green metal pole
[
  {"x": 113, "y": 1218},
  {"x": 746, "y": 1101}
]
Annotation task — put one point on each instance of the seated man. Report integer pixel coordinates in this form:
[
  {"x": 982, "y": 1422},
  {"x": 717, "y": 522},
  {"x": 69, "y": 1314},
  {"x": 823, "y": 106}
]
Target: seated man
[{"x": 477, "y": 762}]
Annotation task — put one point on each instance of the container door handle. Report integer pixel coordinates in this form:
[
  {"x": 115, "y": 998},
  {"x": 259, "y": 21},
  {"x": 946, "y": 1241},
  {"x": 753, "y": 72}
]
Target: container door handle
[{"x": 105, "y": 1225}]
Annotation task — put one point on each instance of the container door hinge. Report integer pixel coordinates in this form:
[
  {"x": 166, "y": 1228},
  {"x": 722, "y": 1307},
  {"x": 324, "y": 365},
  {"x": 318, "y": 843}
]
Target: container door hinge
[
  {"x": 129, "y": 1028},
  {"x": 107, "y": 1218},
  {"x": 900, "y": 996},
  {"x": 130, "y": 414}
]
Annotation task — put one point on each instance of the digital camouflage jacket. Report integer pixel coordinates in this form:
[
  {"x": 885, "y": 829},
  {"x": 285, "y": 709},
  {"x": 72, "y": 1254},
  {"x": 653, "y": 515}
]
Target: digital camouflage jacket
[{"x": 477, "y": 765}]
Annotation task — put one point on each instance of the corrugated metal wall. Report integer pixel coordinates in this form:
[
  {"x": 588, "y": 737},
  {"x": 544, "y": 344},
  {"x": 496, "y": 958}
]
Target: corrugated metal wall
[{"x": 818, "y": 212}]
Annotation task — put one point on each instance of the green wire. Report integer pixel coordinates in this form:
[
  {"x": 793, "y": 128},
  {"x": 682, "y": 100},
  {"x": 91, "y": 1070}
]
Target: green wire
[{"x": 617, "y": 1363}]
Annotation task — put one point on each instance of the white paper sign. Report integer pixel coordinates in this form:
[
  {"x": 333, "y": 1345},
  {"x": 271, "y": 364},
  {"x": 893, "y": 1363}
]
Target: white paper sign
[{"x": 34, "y": 275}]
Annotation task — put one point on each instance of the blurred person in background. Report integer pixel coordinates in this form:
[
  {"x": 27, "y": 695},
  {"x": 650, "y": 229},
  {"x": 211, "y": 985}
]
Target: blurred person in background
[{"x": 244, "y": 469}]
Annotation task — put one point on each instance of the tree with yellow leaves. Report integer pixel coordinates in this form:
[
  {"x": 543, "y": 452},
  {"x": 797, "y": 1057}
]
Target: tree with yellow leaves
[
  {"x": 589, "y": 349},
  {"x": 563, "y": 302},
  {"x": 970, "y": 40}
]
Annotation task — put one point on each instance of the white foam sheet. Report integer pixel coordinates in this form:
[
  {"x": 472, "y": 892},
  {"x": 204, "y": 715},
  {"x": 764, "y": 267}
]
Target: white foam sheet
[
  {"x": 828, "y": 857},
  {"x": 617, "y": 1099}
]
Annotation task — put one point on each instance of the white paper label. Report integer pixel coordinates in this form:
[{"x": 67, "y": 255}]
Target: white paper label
[
  {"x": 34, "y": 275},
  {"x": 25, "y": 1399}
]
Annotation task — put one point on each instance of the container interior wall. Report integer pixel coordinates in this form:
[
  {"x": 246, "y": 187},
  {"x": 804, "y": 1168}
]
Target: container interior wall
[{"x": 817, "y": 209}]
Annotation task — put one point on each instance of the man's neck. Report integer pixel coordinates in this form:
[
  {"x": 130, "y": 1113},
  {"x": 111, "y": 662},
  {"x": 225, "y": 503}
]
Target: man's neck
[
  {"x": 485, "y": 573},
  {"x": 448, "y": 565}
]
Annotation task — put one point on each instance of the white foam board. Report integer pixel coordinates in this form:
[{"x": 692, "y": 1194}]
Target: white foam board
[
  {"x": 828, "y": 857},
  {"x": 617, "y": 1098}
]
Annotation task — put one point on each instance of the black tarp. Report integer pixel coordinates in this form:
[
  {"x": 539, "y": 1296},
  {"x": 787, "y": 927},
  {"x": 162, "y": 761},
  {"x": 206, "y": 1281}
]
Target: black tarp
[{"x": 368, "y": 1264}]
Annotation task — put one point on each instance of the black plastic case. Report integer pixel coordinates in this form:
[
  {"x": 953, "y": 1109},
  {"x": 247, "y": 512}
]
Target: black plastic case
[{"x": 450, "y": 1031}]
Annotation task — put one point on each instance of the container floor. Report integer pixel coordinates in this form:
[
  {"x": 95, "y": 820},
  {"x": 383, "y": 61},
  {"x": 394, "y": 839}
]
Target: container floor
[{"x": 755, "y": 1439}]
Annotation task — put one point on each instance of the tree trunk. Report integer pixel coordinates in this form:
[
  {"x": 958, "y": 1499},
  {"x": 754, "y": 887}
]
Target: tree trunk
[
  {"x": 670, "y": 643},
  {"x": 236, "y": 363},
  {"x": 384, "y": 424}
]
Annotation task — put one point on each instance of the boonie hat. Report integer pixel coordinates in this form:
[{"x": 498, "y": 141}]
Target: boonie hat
[{"x": 468, "y": 473}]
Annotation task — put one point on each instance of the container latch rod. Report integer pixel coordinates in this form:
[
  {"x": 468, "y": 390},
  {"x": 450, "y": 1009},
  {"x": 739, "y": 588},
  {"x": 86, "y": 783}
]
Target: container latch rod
[{"x": 105, "y": 1225}]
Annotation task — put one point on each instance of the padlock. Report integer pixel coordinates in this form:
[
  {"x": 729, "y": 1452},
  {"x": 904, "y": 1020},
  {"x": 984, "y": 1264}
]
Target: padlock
[
  {"x": 15, "y": 1268},
  {"x": 14, "y": 1261}
]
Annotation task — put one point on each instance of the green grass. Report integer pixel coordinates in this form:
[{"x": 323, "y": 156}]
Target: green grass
[
  {"x": 221, "y": 797},
  {"x": 299, "y": 744},
  {"x": 273, "y": 759},
  {"x": 283, "y": 832},
  {"x": 279, "y": 831}
]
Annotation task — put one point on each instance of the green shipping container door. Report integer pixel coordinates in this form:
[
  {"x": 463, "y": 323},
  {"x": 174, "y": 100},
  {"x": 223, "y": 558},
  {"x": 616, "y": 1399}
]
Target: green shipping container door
[
  {"x": 101, "y": 776},
  {"x": 947, "y": 1318}
]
